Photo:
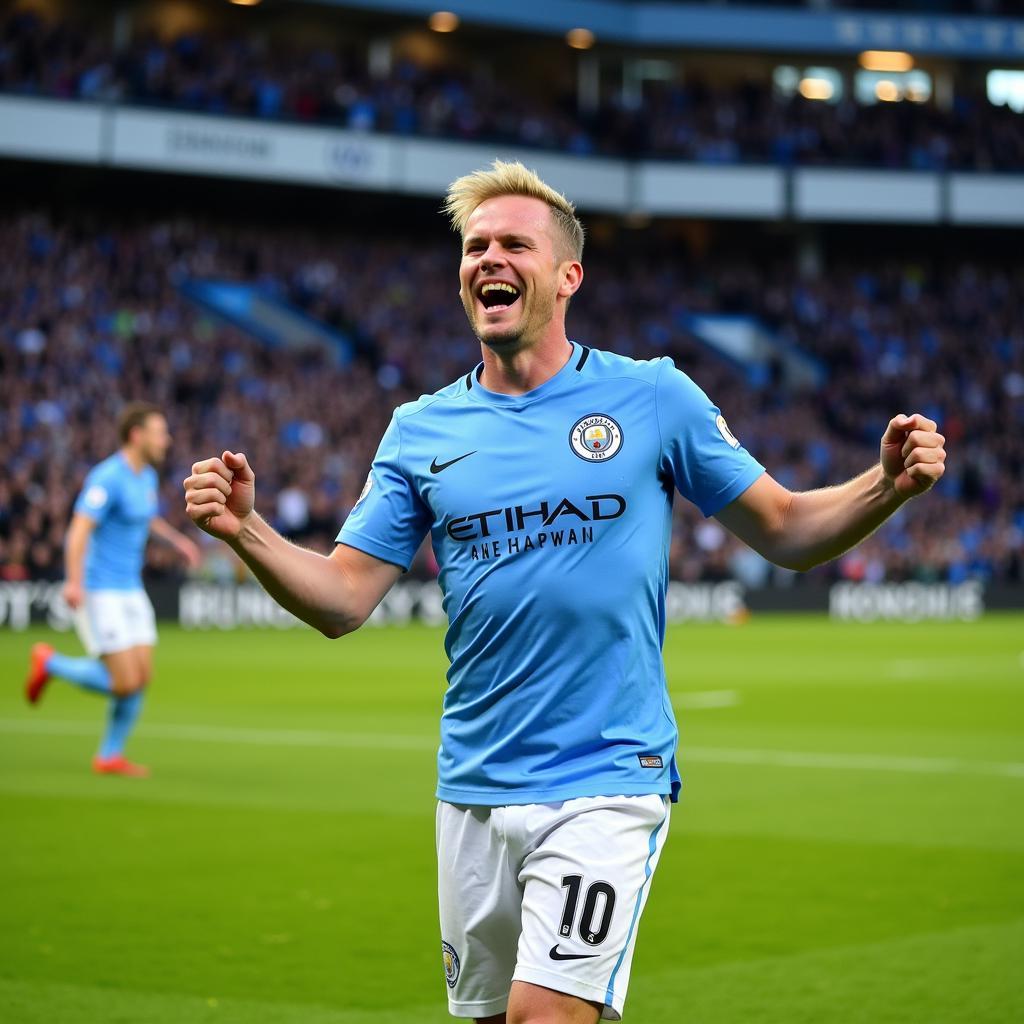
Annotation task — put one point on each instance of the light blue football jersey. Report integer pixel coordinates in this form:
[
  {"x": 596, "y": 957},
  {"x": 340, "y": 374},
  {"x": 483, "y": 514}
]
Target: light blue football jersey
[
  {"x": 551, "y": 517},
  {"x": 122, "y": 503}
]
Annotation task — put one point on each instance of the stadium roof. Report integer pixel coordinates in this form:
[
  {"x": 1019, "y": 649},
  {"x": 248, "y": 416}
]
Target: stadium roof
[{"x": 695, "y": 25}]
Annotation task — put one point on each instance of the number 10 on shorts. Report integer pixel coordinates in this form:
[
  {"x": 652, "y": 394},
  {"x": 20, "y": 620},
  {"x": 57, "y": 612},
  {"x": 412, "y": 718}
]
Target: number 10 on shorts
[{"x": 593, "y": 930}]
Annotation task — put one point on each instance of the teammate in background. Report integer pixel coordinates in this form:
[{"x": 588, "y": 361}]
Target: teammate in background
[
  {"x": 103, "y": 558},
  {"x": 545, "y": 477}
]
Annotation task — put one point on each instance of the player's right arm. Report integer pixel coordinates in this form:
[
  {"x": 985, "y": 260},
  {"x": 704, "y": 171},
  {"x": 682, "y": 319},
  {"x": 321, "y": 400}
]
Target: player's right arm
[
  {"x": 75, "y": 544},
  {"x": 92, "y": 506},
  {"x": 334, "y": 594}
]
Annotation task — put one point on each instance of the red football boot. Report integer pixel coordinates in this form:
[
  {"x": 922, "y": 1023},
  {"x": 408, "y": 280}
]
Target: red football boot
[
  {"x": 38, "y": 677},
  {"x": 119, "y": 765}
]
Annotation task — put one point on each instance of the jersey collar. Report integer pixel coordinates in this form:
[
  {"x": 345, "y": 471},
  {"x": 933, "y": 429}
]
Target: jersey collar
[{"x": 565, "y": 377}]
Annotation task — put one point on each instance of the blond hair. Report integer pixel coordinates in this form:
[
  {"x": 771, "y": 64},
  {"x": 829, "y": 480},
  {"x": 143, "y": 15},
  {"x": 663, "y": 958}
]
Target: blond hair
[{"x": 504, "y": 178}]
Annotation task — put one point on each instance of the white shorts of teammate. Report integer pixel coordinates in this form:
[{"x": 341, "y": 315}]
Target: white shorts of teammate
[
  {"x": 549, "y": 894},
  {"x": 115, "y": 620}
]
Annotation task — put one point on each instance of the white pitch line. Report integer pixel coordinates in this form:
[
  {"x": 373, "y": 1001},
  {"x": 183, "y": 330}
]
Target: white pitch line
[
  {"x": 931, "y": 668},
  {"x": 909, "y": 669},
  {"x": 386, "y": 741},
  {"x": 701, "y": 699},
  {"x": 233, "y": 734}
]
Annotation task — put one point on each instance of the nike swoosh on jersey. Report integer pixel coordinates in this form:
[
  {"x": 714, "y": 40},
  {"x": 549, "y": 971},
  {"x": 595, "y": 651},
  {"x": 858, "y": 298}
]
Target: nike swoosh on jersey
[
  {"x": 437, "y": 467},
  {"x": 555, "y": 955}
]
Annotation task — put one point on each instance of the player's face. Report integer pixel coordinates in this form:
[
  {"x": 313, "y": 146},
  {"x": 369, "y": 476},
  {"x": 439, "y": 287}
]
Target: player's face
[
  {"x": 153, "y": 439},
  {"x": 510, "y": 271}
]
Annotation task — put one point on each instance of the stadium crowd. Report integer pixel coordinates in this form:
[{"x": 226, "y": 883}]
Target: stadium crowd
[
  {"x": 691, "y": 120},
  {"x": 93, "y": 316}
]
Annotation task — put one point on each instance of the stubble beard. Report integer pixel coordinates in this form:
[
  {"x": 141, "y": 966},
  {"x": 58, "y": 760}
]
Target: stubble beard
[{"x": 523, "y": 334}]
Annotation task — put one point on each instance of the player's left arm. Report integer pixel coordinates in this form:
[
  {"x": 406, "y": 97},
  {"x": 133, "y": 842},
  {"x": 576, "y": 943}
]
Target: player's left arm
[
  {"x": 800, "y": 530},
  {"x": 187, "y": 548}
]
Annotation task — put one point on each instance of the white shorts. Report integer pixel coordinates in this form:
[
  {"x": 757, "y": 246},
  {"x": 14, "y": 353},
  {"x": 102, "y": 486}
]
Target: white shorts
[
  {"x": 115, "y": 620},
  {"x": 549, "y": 894}
]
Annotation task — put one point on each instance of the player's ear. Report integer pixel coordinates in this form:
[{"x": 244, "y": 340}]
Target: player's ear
[{"x": 571, "y": 273}]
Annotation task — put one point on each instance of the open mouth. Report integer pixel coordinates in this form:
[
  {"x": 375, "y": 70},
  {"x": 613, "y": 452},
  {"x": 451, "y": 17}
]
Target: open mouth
[{"x": 497, "y": 296}]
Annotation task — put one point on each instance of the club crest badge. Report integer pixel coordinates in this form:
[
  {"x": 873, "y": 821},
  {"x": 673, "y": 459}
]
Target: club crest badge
[
  {"x": 596, "y": 438},
  {"x": 96, "y": 497},
  {"x": 367, "y": 487},
  {"x": 451, "y": 963},
  {"x": 727, "y": 434}
]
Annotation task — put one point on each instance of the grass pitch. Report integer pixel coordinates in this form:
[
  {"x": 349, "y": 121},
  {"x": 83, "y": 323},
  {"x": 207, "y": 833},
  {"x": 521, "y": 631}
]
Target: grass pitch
[{"x": 849, "y": 846}]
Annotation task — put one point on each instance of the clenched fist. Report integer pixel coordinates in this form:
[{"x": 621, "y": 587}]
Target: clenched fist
[
  {"x": 913, "y": 456},
  {"x": 219, "y": 494}
]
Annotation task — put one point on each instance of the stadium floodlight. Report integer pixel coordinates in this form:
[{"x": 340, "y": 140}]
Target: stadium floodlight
[
  {"x": 821, "y": 83},
  {"x": 443, "y": 21},
  {"x": 886, "y": 91},
  {"x": 1005, "y": 87},
  {"x": 580, "y": 38},
  {"x": 917, "y": 87},
  {"x": 875, "y": 87},
  {"x": 786, "y": 80},
  {"x": 816, "y": 89},
  {"x": 886, "y": 60}
]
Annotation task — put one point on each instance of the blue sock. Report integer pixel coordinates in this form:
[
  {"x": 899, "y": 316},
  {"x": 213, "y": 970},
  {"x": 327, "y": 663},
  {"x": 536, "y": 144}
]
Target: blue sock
[
  {"x": 88, "y": 673},
  {"x": 124, "y": 712}
]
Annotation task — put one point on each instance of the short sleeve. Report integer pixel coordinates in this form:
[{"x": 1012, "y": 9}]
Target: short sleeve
[
  {"x": 97, "y": 495},
  {"x": 390, "y": 520},
  {"x": 699, "y": 453}
]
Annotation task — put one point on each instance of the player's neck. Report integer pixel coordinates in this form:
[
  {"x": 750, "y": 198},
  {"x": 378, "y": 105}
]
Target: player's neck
[
  {"x": 519, "y": 372},
  {"x": 134, "y": 459}
]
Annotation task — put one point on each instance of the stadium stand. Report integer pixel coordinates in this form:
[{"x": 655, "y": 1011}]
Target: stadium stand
[
  {"x": 93, "y": 315},
  {"x": 693, "y": 118}
]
